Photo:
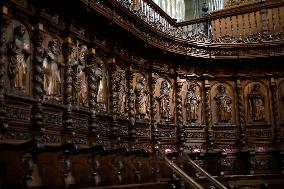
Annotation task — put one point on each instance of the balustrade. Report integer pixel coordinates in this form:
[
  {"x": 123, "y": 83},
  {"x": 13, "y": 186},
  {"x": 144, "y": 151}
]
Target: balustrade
[{"x": 254, "y": 22}]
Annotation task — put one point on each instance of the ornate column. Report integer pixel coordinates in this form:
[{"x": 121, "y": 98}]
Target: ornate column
[
  {"x": 38, "y": 77},
  {"x": 275, "y": 113},
  {"x": 131, "y": 112},
  {"x": 68, "y": 84},
  {"x": 208, "y": 128},
  {"x": 241, "y": 111},
  {"x": 113, "y": 109},
  {"x": 91, "y": 61},
  {"x": 3, "y": 60},
  {"x": 154, "y": 127},
  {"x": 181, "y": 138}
]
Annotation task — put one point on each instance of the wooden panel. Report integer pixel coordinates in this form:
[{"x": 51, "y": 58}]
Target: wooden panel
[
  {"x": 275, "y": 12},
  {"x": 234, "y": 24},
  {"x": 246, "y": 24},
  {"x": 217, "y": 31},
  {"x": 281, "y": 10},
  {"x": 258, "y": 21},
  {"x": 270, "y": 20},
  {"x": 223, "y": 27},
  {"x": 229, "y": 28},
  {"x": 253, "y": 28},
  {"x": 240, "y": 24},
  {"x": 213, "y": 28}
]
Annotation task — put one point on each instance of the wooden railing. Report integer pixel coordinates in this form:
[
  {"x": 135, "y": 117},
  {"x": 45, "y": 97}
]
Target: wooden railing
[
  {"x": 250, "y": 23},
  {"x": 187, "y": 178}
]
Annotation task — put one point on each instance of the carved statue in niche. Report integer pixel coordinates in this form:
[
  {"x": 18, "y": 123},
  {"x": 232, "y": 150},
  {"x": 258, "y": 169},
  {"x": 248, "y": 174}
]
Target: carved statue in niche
[
  {"x": 80, "y": 92},
  {"x": 18, "y": 53},
  {"x": 119, "y": 92},
  {"x": 52, "y": 78},
  {"x": 101, "y": 87},
  {"x": 256, "y": 103},
  {"x": 164, "y": 100},
  {"x": 224, "y": 105},
  {"x": 141, "y": 100},
  {"x": 192, "y": 102}
]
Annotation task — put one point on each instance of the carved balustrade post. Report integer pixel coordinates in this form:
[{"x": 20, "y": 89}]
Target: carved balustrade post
[
  {"x": 91, "y": 61},
  {"x": 243, "y": 138},
  {"x": 3, "y": 60},
  {"x": 68, "y": 84},
  {"x": 38, "y": 77},
  {"x": 275, "y": 113},
  {"x": 208, "y": 128},
  {"x": 131, "y": 112}
]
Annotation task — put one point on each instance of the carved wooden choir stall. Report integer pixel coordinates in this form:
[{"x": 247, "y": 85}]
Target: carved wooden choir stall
[{"x": 117, "y": 94}]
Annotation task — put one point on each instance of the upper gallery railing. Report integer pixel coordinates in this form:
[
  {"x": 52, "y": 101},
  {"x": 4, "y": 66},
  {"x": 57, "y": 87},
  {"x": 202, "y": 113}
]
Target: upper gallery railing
[{"x": 251, "y": 23}]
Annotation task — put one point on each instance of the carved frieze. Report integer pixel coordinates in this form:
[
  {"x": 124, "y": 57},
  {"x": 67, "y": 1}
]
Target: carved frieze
[
  {"x": 18, "y": 114},
  {"x": 52, "y": 119}
]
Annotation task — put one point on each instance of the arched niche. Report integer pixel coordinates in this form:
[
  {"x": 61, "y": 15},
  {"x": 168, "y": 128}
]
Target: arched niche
[
  {"x": 53, "y": 69},
  {"x": 19, "y": 50},
  {"x": 256, "y": 103},
  {"x": 222, "y": 101},
  {"x": 141, "y": 96},
  {"x": 191, "y": 103},
  {"x": 159, "y": 99}
]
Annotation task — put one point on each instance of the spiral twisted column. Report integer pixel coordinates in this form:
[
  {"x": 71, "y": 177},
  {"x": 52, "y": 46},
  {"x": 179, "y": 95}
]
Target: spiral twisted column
[
  {"x": 38, "y": 77},
  {"x": 241, "y": 111}
]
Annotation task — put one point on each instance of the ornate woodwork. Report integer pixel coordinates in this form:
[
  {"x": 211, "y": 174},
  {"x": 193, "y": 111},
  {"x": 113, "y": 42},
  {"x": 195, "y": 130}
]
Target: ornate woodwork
[{"x": 137, "y": 81}]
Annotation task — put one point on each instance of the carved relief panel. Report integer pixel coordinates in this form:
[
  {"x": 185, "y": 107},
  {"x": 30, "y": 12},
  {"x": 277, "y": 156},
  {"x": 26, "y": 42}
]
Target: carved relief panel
[
  {"x": 101, "y": 82},
  {"x": 222, "y": 104},
  {"x": 192, "y": 103},
  {"x": 53, "y": 67},
  {"x": 77, "y": 61},
  {"x": 165, "y": 100},
  {"x": 18, "y": 52},
  {"x": 257, "y": 104},
  {"x": 142, "y": 97},
  {"x": 118, "y": 91}
]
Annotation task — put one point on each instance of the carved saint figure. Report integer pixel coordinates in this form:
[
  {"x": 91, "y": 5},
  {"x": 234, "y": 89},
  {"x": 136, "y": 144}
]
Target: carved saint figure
[
  {"x": 192, "y": 101},
  {"x": 100, "y": 79},
  {"x": 79, "y": 77},
  {"x": 141, "y": 100},
  {"x": 256, "y": 103},
  {"x": 18, "y": 53},
  {"x": 52, "y": 79},
  {"x": 119, "y": 92},
  {"x": 224, "y": 105},
  {"x": 164, "y": 100}
]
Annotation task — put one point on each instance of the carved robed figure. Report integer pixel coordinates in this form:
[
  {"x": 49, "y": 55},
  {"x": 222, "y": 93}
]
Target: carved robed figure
[
  {"x": 164, "y": 100},
  {"x": 192, "y": 101},
  {"x": 52, "y": 78},
  {"x": 18, "y": 53},
  {"x": 224, "y": 105},
  {"x": 256, "y": 104},
  {"x": 141, "y": 101},
  {"x": 79, "y": 77}
]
